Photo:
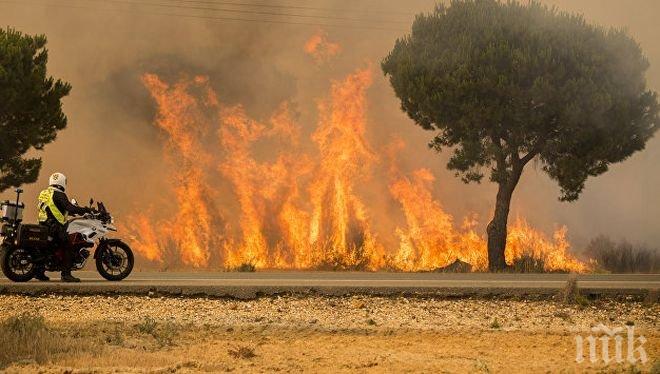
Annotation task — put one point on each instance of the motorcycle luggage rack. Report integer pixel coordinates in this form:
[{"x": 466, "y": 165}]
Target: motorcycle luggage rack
[{"x": 13, "y": 211}]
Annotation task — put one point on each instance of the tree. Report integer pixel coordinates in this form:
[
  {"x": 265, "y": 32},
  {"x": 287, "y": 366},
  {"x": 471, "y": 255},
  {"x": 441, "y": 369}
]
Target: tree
[
  {"x": 30, "y": 106},
  {"x": 503, "y": 83}
]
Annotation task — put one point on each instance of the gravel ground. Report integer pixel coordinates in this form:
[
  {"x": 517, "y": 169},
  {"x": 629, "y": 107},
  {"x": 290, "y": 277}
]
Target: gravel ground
[
  {"x": 325, "y": 334},
  {"x": 339, "y": 313}
]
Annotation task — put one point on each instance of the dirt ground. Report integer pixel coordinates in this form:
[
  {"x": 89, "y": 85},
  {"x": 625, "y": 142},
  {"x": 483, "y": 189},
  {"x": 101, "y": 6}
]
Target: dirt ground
[{"x": 320, "y": 334}]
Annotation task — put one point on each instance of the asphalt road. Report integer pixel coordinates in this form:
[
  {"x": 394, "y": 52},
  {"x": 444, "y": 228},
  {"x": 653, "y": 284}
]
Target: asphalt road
[{"x": 248, "y": 285}]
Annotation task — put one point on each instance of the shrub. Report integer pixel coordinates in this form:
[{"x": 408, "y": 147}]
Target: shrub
[
  {"x": 166, "y": 335},
  {"x": 623, "y": 257},
  {"x": 115, "y": 337},
  {"x": 571, "y": 293},
  {"x": 163, "y": 334},
  {"x": 147, "y": 326}
]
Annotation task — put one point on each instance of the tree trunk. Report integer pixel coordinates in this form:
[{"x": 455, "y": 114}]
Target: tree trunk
[{"x": 497, "y": 228}]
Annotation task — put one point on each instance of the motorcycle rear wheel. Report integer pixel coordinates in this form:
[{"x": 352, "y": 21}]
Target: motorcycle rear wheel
[
  {"x": 14, "y": 265},
  {"x": 114, "y": 261}
]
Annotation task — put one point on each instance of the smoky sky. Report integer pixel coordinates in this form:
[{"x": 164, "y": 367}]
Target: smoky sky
[{"x": 112, "y": 151}]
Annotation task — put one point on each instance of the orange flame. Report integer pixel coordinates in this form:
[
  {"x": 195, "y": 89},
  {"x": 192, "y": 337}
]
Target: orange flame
[
  {"x": 143, "y": 237},
  {"x": 299, "y": 209},
  {"x": 524, "y": 240},
  {"x": 430, "y": 241},
  {"x": 320, "y": 48},
  {"x": 192, "y": 229}
]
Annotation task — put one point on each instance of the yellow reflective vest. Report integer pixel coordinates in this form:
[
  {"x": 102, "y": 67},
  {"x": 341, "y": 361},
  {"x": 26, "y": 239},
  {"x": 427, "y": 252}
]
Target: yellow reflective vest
[{"x": 46, "y": 201}]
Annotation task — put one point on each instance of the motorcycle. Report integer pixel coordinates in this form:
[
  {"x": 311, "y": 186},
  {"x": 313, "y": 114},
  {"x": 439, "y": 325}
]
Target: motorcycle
[{"x": 25, "y": 248}]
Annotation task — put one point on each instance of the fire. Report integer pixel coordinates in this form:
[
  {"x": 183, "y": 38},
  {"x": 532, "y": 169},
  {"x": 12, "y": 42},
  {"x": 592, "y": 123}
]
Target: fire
[
  {"x": 256, "y": 185},
  {"x": 301, "y": 208},
  {"x": 144, "y": 239},
  {"x": 430, "y": 240},
  {"x": 320, "y": 223},
  {"x": 338, "y": 214},
  {"x": 524, "y": 240},
  {"x": 320, "y": 48},
  {"x": 192, "y": 229}
]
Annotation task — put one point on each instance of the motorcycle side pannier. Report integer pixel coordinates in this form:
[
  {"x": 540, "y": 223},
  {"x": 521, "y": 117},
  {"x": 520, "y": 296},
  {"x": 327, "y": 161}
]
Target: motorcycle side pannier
[{"x": 32, "y": 236}]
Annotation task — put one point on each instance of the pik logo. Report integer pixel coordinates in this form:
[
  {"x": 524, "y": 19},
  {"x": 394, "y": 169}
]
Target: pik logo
[{"x": 607, "y": 338}]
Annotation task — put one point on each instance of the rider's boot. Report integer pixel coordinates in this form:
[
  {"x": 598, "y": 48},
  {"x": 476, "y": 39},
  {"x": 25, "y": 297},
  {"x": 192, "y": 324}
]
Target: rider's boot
[
  {"x": 67, "y": 277},
  {"x": 41, "y": 275},
  {"x": 67, "y": 264}
]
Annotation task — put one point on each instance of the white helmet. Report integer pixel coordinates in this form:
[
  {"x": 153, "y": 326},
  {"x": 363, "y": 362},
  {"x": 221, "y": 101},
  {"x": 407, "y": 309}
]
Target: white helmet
[{"x": 57, "y": 179}]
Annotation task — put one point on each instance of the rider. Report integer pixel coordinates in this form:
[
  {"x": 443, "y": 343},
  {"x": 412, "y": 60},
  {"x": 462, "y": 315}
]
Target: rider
[{"x": 54, "y": 207}]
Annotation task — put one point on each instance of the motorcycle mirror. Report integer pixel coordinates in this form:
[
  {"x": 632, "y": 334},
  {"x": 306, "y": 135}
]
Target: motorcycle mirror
[
  {"x": 74, "y": 202},
  {"x": 91, "y": 202},
  {"x": 18, "y": 190}
]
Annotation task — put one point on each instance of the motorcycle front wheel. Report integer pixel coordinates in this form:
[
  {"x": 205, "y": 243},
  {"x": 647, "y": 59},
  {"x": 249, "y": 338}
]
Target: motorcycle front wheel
[
  {"x": 16, "y": 264},
  {"x": 114, "y": 260}
]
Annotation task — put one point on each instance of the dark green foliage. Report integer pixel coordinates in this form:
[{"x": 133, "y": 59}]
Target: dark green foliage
[
  {"x": 511, "y": 81},
  {"x": 30, "y": 106},
  {"x": 502, "y": 83}
]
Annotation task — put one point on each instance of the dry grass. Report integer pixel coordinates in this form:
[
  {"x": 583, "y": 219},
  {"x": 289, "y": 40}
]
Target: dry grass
[
  {"x": 164, "y": 334},
  {"x": 571, "y": 293},
  {"x": 27, "y": 337},
  {"x": 242, "y": 352},
  {"x": 571, "y": 290},
  {"x": 147, "y": 326},
  {"x": 307, "y": 350},
  {"x": 655, "y": 369},
  {"x": 310, "y": 334}
]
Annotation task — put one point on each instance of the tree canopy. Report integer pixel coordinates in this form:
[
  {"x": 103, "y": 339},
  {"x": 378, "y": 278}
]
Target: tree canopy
[
  {"x": 30, "y": 105},
  {"x": 502, "y": 83}
]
